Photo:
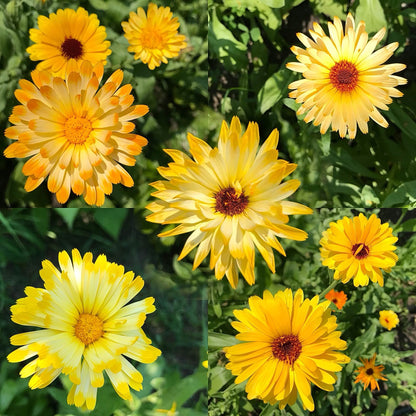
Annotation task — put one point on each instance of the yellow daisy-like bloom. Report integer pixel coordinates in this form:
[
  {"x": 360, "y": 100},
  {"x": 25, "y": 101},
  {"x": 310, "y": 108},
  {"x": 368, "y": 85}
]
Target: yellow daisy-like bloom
[
  {"x": 289, "y": 343},
  {"x": 358, "y": 248},
  {"x": 369, "y": 373},
  {"x": 231, "y": 198},
  {"x": 88, "y": 327},
  {"x": 153, "y": 37},
  {"x": 344, "y": 82},
  {"x": 388, "y": 319},
  {"x": 66, "y": 39},
  {"x": 74, "y": 133}
]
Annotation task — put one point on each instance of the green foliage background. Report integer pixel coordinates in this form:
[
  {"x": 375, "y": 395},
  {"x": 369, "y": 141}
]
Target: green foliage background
[{"x": 177, "y": 327}]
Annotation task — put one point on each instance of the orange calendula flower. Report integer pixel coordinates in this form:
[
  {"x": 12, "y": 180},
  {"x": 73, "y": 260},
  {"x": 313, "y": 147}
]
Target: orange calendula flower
[
  {"x": 358, "y": 249},
  {"x": 75, "y": 133},
  {"x": 288, "y": 342},
  {"x": 344, "y": 82},
  {"x": 87, "y": 328},
  {"x": 232, "y": 199},
  {"x": 369, "y": 373},
  {"x": 66, "y": 39},
  {"x": 337, "y": 298},
  {"x": 154, "y": 37},
  {"x": 388, "y": 319}
]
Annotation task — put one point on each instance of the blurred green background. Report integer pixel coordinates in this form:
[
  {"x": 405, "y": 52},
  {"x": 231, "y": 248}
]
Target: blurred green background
[{"x": 177, "y": 327}]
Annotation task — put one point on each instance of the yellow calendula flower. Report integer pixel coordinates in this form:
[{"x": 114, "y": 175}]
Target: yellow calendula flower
[
  {"x": 67, "y": 38},
  {"x": 388, "y": 319},
  {"x": 76, "y": 136},
  {"x": 88, "y": 327},
  {"x": 369, "y": 373},
  {"x": 358, "y": 248},
  {"x": 154, "y": 37},
  {"x": 288, "y": 342},
  {"x": 344, "y": 82},
  {"x": 230, "y": 198}
]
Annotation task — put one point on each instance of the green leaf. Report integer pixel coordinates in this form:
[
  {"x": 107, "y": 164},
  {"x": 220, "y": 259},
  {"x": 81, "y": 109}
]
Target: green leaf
[
  {"x": 218, "y": 377},
  {"x": 329, "y": 8},
  {"x": 404, "y": 195},
  {"x": 68, "y": 215},
  {"x": 274, "y": 89},
  {"x": 325, "y": 143},
  {"x": 111, "y": 220},
  {"x": 273, "y": 3},
  {"x": 402, "y": 120},
  {"x": 372, "y": 13},
  {"x": 217, "y": 340}
]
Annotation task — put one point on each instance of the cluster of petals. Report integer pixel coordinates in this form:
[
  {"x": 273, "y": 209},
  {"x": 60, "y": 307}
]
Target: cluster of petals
[
  {"x": 359, "y": 248},
  {"x": 153, "y": 37},
  {"x": 88, "y": 327},
  {"x": 344, "y": 83},
  {"x": 288, "y": 342},
  {"x": 369, "y": 373},
  {"x": 75, "y": 134},
  {"x": 231, "y": 198}
]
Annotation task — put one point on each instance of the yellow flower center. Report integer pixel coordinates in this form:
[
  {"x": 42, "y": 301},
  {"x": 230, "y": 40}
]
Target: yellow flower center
[
  {"x": 77, "y": 130},
  {"x": 360, "y": 251},
  {"x": 287, "y": 348},
  {"x": 344, "y": 76},
  {"x": 230, "y": 202},
  {"x": 151, "y": 39},
  {"x": 89, "y": 328},
  {"x": 72, "y": 48}
]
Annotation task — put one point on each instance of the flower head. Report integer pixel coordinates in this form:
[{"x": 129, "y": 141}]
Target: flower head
[
  {"x": 288, "y": 342},
  {"x": 388, "y": 319},
  {"x": 369, "y": 373},
  {"x": 76, "y": 135},
  {"x": 358, "y": 248},
  {"x": 87, "y": 327},
  {"x": 66, "y": 39},
  {"x": 337, "y": 298},
  {"x": 153, "y": 37},
  {"x": 344, "y": 82},
  {"x": 231, "y": 198}
]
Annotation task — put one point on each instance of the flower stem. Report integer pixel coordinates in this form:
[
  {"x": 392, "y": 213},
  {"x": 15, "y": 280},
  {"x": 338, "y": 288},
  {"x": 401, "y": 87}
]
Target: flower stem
[
  {"x": 399, "y": 221},
  {"x": 330, "y": 287}
]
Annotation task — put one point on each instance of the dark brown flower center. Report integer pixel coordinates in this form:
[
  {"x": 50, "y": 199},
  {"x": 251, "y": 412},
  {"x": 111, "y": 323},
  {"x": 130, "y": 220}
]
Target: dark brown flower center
[
  {"x": 287, "y": 348},
  {"x": 72, "y": 48},
  {"x": 229, "y": 202},
  {"x": 344, "y": 76},
  {"x": 369, "y": 371},
  {"x": 360, "y": 251}
]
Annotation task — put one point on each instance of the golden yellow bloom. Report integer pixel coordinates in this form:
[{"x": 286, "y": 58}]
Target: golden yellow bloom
[
  {"x": 75, "y": 134},
  {"x": 358, "y": 248},
  {"x": 337, "y": 298},
  {"x": 153, "y": 37},
  {"x": 87, "y": 326},
  {"x": 388, "y": 319},
  {"x": 344, "y": 83},
  {"x": 66, "y": 39},
  {"x": 289, "y": 343},
  {"x": 369, "y": 373},
  {"x": 231, "y": 198}
]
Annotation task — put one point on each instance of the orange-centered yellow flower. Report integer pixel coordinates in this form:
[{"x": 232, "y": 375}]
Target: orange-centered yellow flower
[
  {"x": 344, "y": 82},
  {"x": 230, "y": 198},
  {"x": 153, "y": 37},
  {"x": 369, "y": 373},
  {"x": 358, "y": 248},
  {"x": 337, "y": 298},
  {"x": 88, "y": 327},
  {"x": 388, "y": 319},
  {"x": 74, "y": 134},
  {"x": 288, "y": 343},
  {"x": 66, "y": 39}
]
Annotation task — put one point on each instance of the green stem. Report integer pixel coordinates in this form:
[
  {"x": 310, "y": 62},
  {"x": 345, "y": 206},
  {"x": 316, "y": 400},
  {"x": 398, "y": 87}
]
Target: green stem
[
  {"x": 330, "y": 287},
  {"x": 399, "y": 221}
]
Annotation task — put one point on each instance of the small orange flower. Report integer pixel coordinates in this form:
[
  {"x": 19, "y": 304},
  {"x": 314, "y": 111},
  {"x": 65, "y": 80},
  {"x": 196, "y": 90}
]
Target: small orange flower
[
  {"x": 338, "y": 298},
  {"x": 370, "y": 373},
  {"x": 388, "y": 319}
]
